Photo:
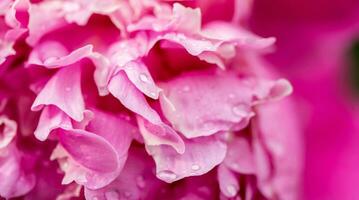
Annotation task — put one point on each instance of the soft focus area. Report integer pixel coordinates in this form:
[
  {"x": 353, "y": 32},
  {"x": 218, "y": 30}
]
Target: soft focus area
[{"x": 179, "y": 100}]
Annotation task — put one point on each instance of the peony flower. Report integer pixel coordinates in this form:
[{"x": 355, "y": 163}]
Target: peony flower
[{"x": 143, "y": 99}]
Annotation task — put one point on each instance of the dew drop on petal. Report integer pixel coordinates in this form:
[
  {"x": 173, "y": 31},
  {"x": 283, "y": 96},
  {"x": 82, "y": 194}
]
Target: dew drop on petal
[
  {"x": 186, "y": 88},
  {"x": 231, "y": 189},
  {"x": 111, "y": 195},
  {"x": 167, "y": 175},
  {"x": 140, "y": 182},
  {"x": 144, "y": 78},
  {"x": 68, "y": 89},
  {"x": 240, "y": 110},
  {"x": 195, "y": 167},
  {"x": 127, "y": 194}
]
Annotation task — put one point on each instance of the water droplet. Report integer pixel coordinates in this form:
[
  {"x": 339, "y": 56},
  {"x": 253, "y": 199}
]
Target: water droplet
[
  {"x": 195, "y": 167},
  {"x": 153, "y": 94},
  {"x": 127, "y": 194},
  {"x": 186, "y": 88},
  {"x": 144, "y": 78},
  {"x": 140, "y": 182},
  {"x": 68, "y": 89},
  {"x": 167, "y": 175},
  {"x": 112, "y": 195},
  {"x": 232, "y": 190},
  {"x": 51, "y": 59},
  {"x": 231, "y": 96},
  {"x": 240, "y": 110},
  {"x": 95, "y": 198}
]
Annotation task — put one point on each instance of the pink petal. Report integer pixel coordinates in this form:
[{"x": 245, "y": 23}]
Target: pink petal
[
  {"x": 228, "y": 182},
  {"x": 136, "y": 181},
  {"x": 160, "y": 134},
  {"x": 89, "y": 150},
  {"x": 239, "y": 156},
  {"x": 63, "y": 90},
  {"x": 194, "y": 98},
  {"x": 15, "y": 181},
  {"x": 75, "y": 171},
  {"x": 8, "y": 130},
  {"x": 52, "y": 54},
  {"x": 139, "y": 75},
  {"x": 182, "y": 19},
  {"x": 114, "y": 129},
  {"x": 51, "y": 118},
  {"x": 132, "y": 98},
  {"x": 283, "y": 140},
  {"x": 201, "y": 155}
]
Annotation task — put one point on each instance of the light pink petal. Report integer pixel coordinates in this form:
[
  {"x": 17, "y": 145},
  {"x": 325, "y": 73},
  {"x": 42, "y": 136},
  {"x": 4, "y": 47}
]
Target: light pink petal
[
  {"x": 89, "y": 150},
  {"x": 63, "y": 90},
  {"x": 239, "y": 156},
  {"x": 230, "y": 33},
  {"x": 283, "y": 140},
  {"x": 193, "y": 103},
  {"x": 123, "y": 89},
  {"x": 228, "y": 182},
  {"x": 263, "y": 164},
  {"x": 182, "y": 19},
  {"x": 10, "y": 27},
  {"x": 75, "y": 171},
  {"x": 44, "y": 18},
  {"x": 201, "y": 155},
  {"x": 160, "y": 134},
  {"x": 116, "y": 130},
  {"x": 15, "y": 181},
  {"x": 51, "y": 118},
  {"x": 136, "y": 181},
  {"x": 8, "y": 130},
  {"x": 139, "y": 75},
  {"x": 52, "y": 54},
  {"x": 242, "y": 10}
]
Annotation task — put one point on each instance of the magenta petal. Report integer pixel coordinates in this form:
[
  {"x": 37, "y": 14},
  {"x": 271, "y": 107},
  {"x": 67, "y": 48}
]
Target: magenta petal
[
  {"x": 201, "y": 155},
  {"x": 63, "y": 90}
]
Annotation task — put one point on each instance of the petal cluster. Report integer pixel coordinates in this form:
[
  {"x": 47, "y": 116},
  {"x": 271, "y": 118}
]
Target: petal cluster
[{"x": 141, "y": 99}]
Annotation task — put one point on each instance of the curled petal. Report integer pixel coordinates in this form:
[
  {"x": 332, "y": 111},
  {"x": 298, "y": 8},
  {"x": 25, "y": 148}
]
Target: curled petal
[
  {"x": 195, "y": 97},
  {"x": 8, "y": 130},
  {"x": 201, "y": 155},
  {"x": 139, "y": 75},
  {"x": 52, "y": 54},
  {"x": 228, "y": 182},
  {"x": 240, "y": 157},
  {"x": 63, "y": 90},
  {"x": 51, "y": 118},
  {"x": 121, "y": 87},
  {"x": 160, "y": 134},
  {"x": 88, "y": 149},
  {"x": 15, "y": 180}
]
